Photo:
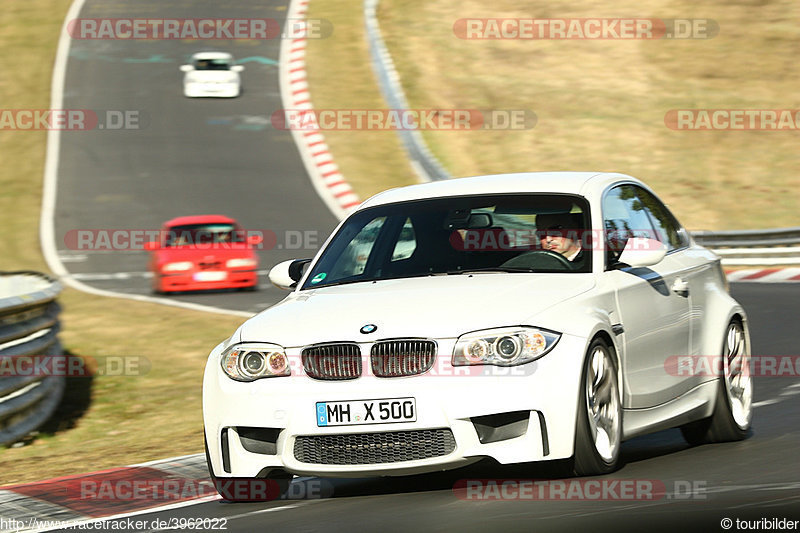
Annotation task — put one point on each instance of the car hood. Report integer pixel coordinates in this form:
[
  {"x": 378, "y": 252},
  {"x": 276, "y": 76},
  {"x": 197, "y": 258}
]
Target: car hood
[{"x": 429, "y": 307}]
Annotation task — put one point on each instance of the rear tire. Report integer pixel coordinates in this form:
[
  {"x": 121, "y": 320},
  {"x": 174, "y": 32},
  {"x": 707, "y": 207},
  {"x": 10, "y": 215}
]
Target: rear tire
[
  {"x": 598, "y": 428},
  {"x": 733, "y": 407}
]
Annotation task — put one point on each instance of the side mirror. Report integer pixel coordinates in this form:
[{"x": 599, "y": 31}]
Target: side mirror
[
  {"x": 186, "y": 68},
  {"x": 237, "y": 68},
  {"x": 642, "y": 252},
  {"x": 254, "y": 239},
  {"x": 285, "y": 275},
  {"x": 152, "y": 246}
]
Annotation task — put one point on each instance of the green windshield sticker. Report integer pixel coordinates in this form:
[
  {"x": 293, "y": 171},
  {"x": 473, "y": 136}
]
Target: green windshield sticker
[{"x": 319, "y": 277}]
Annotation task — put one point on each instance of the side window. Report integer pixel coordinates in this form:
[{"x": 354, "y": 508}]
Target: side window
[
  {"x": 624, "y": 216},
  {"x": 406, "y": 242},
  {"x": 666, "y": 225},
  {"x": 354, "y": 258}
]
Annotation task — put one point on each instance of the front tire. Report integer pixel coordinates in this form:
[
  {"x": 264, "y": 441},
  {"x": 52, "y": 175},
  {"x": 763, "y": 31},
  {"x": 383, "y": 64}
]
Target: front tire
[
  {"x": 598, "y": 429},
  {"x": 733, "y": 407}
]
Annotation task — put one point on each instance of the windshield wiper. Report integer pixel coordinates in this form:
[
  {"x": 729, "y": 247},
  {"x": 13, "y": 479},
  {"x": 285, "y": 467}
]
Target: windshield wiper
[{"x": 489, "y": 269}]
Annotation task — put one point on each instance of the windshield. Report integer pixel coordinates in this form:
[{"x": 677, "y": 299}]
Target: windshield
[
  {"x": 212, "y": 64},
  {"x": 203, "y": 234},
  {"x": 487, "y": 233}
]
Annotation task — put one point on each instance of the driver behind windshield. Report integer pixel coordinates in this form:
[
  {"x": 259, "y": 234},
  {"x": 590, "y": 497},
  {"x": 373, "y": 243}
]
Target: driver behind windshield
[{"x": 560, "y": 233}]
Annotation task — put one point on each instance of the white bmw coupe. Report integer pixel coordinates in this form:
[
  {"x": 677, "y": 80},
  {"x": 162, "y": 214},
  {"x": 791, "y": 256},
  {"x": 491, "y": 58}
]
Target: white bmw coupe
[
  {"x": 212, "y": 74},
  {"x": 520, "y": 317}
]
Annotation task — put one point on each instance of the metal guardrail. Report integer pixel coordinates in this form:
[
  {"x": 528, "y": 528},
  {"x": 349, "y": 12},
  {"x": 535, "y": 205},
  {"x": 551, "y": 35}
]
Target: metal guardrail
[
  {"x": 420, "y": 157},
  {"x": 769, "y": 247},
  {"x": 29, "y": 325},
  {"x": 747, "y": 238}
]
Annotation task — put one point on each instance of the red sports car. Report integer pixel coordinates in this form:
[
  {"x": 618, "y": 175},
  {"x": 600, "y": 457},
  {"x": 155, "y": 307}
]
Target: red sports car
[{"x": 203, "y": 252}]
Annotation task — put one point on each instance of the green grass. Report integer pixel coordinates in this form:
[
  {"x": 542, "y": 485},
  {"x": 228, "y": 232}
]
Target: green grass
[
  {"x": 340, "y": 77},
  {"x": 106, "y": 421},
  {"x": 600, "y": 104}
]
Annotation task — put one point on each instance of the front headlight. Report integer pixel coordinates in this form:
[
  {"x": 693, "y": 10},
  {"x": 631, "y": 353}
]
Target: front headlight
[
  {"x": 179, "y": 265},
  {"x": 503, "y": 346},
  {"x": 252, "y": 361},
  {"x": 240, "y": 263}
]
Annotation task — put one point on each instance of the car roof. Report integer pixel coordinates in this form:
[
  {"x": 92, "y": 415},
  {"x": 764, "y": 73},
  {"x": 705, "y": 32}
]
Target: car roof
[
  {"x": 579, "y": 183},
  {"x": 199, "y": 219},
  {"x": 212, "y": 55}
]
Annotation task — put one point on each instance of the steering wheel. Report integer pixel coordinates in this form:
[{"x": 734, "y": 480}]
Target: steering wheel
[{"x": 539, "y": 259}]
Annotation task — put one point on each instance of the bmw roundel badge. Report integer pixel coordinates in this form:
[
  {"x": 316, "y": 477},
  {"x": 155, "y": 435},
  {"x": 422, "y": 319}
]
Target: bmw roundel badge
[{"x": 368, "y": 328}]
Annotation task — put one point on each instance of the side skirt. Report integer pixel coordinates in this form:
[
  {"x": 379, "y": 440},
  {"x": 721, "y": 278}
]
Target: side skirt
[{"x": 696, "y": 404}]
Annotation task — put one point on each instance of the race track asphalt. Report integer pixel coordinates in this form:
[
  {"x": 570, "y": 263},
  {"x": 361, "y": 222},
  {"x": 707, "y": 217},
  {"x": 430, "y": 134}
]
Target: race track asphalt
[
  {"x": 195, "y": 156},
  {"x": 749, "y": 480},
  {"x": 188, "y": 156}
]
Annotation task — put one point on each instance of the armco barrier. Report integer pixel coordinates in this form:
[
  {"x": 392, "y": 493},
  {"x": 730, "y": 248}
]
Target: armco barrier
[
  {"x": 773, "y": 247},
  {"x": 422, "y": 160},
  {"x": 747, "y": 238},
  {"x": 28, "y": 326}
]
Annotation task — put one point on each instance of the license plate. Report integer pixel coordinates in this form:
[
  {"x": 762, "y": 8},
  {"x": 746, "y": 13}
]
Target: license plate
[
  {"x": 358, "y": 412},
  {"x": 210, "y": 276}
]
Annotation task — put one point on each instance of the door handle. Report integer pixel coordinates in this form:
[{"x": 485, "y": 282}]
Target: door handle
[{"x": 680, "y": 287}]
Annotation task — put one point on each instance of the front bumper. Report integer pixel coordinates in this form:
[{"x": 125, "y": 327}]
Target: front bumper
[
  {"x": 544, "y": 393},
  {"x": 212, "y": 90}
]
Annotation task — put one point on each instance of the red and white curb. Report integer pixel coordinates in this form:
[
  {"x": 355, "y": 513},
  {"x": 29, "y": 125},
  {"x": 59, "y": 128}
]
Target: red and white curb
[
  {"x": 764, "y": 275},
  {"x": 109, "y": 494},
  {"x": 317, "y": 158}
]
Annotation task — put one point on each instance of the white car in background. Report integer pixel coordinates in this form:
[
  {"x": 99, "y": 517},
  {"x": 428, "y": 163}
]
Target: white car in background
[
  {"x": 443, "y": 323},
  {"x": 212, "y": 74}
]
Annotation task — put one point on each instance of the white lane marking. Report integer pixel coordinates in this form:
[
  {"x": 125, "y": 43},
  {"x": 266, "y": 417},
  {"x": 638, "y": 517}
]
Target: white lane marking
[
  {"x": 764, "y": 504},
  {"x": 242, "y": 515},
  {"x": 157, "y": 462},
  {"x": 782, "y": 395},
  {"x": 76, "y": 524},
  {"x": 47, "y": 220},
  {"x": 667, "y": 500},
  {"x": 102, "y": 276},
  {"x": 270, "y": 510},
  {"x": 77, "y": 258}
]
